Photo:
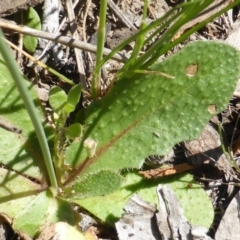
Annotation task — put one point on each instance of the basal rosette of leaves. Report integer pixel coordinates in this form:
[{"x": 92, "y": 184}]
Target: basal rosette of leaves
[{"x": 141, "y": 116}]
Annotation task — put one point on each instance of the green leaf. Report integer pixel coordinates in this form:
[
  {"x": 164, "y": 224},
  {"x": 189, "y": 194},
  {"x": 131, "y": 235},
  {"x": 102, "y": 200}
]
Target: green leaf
[
  {"x": 30, "y": 210},
  {"x": 196, "y": 204},
  {"x": 73, "y": 98},
  {"x": 150, "y": 113},
  {"x": 57, "y": 99},
  {"x": 15, "y": 193},
  {"x": 43, "y": 210},
  {"x": 16, "y": 153},
  {"x": 73, "y": 131},
  {"x": 68, "y": 108},
  {"x": 74, "y": 95},
  {"x": 32, "y": 20},
  {"x": 95, "y": 184},
  {"x": 19, "y": 199},
  {"x": 20, "y": 152}
]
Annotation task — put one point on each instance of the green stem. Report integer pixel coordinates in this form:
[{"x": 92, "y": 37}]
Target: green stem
[
  {"x": 96, "y": 82},
  {"x": 202, "y": 24},
  {"x": 188, "y": 12},
  {"x": 170, "y": 17},
  {"x": 134, "y": 37},
  {"x": 28, "y": 102},
  {"x": 185, "y": 35},
  {"x": 140, "y": 40}
]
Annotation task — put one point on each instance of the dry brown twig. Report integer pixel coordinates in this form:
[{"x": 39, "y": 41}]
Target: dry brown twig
[
  {"x": 88, "y": 3},
  {"x": 70, "y": 42},
  {"x": 125, "y": 20},
  {"x": 78, "y": 52}
]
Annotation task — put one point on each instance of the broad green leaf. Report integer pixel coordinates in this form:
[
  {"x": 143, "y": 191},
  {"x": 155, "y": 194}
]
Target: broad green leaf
[
  {"x": 19, "y": 151},
  {"x": 32, "y": 20},
  {"x": 95, "y": 184},
  {"x": 16, "y": 192},
  {"x": 150, "y": 113},
  {"x": 196, "y": 204},
  {"x": 29, "y": 209},
  {"x": 43, "y": 210},
  {"x": 57, "y": 99},
  {"x": 16, "y": 153}
]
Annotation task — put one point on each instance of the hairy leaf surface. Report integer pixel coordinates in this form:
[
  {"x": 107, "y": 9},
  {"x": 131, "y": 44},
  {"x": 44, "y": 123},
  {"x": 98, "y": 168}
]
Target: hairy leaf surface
[{"x": 150, "y": 113}]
